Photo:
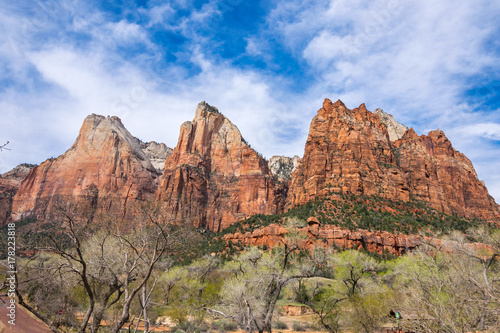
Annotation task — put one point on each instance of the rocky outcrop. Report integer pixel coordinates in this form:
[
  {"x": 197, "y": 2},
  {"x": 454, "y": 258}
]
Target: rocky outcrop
[
  {"x": 394, "y": 129},
  {"x": 105, "y": 162},
  {"x": 351, "y": 152},
  {"x": 329, "y": 236},
  {"x": 294, "y": 310},
  {"x": 282, "y": 167},
  {"x": 10, "y": 182},
  {"x": 157, "y": 153},
  {"x": 213, "y": 178}
]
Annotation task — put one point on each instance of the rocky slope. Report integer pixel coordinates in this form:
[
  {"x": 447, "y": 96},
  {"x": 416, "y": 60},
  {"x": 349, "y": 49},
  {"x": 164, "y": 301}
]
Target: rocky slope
[
  {"x": 213, "y": 178},
  {"x": 10, "y": 182},
  {"x": 157, "y": 153},
  {"x": 282, "y": 167},
  {"x": 105, "y": 162},
  {"x": 351, "y": 152},
  {"x": 328, "y": 236}
]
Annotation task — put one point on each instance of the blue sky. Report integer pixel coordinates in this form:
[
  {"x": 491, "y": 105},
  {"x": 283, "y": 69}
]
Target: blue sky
[{"x": 267, "y": 65}]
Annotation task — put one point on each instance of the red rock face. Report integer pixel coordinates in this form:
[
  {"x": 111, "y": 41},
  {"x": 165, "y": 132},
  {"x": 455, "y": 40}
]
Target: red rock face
[
  {"x": 444, "y": 177},
  {"x": 105, "y": 161},
  {"x": 349, "y": 151},
  {"x": 213, "y": 178}
]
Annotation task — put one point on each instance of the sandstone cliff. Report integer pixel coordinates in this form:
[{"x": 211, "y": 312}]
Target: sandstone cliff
[
  {"x": 213, "y": 178},
  {"x": 105, "y": 161},
  {"x": 350, "y": 151},
  {"x": 10, "y": 182},
  {"x": 436, "y": 173}
]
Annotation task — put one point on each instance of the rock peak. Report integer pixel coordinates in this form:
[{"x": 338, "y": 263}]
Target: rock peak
[
  {"x": 395, "y": 129},
  {"x": 328, "y": 104},
  {"x": 339, "y": 103},
  {"x": 105, "y": 156},
  {"x": 97, "y": 119},
  {"x": 204, "y": 106},
  {"x": 213, "y": 178}
]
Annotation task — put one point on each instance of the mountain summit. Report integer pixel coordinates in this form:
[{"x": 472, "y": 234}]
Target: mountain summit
[
  {"x": 105, "y": 160},
  {"x": 213, "y": 177}
]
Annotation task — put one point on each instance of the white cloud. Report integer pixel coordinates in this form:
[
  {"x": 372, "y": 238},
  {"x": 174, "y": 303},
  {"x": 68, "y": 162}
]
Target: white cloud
[{"x": 486, "y": 130}]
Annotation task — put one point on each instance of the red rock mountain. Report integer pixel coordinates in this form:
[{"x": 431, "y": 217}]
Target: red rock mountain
[
  {"x": 350, "y": 151},
  {"x": 436, "y": 173},
  {"x": 105, "y": 160},
  {"x": 213, "y": 178}
]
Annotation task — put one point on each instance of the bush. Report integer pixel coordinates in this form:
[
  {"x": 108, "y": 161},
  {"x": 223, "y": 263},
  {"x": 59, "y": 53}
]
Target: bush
[
  {"x": 224, "y": 326},
  {"x": 190, "y": 327},
  {"x": 299, "y": 327},
  {"x": 279, "y": 325}
]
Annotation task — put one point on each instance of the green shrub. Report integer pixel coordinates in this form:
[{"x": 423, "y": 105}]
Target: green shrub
[
  {"x": 279, "y": 325},
  {"x": 190, "y": 327}
]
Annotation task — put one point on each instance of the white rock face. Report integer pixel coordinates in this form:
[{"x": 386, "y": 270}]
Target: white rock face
[
  {"x": 396, "y": 130},
  {"x": 282, "y": 166},
  {"x": 157, "y": 153},
  {"x": 19, "y": 172}
]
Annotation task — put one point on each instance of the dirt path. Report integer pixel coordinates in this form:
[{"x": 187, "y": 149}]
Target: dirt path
[{"x": 25, "y": 321}]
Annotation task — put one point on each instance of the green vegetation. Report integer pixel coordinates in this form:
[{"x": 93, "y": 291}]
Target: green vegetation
[{"x": 366, "y": 212}]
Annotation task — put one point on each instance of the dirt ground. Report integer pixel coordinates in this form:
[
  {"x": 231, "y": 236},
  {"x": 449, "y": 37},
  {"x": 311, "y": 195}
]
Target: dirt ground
[{"x": 25, "y": 321}]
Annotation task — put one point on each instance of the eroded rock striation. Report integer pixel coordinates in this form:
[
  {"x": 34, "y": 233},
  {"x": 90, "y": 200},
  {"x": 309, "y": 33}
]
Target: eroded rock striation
[
  {"x": 105, "y": 162},
  {"x": 213, "y": 178},
  {"x": 351, "y": 152}
]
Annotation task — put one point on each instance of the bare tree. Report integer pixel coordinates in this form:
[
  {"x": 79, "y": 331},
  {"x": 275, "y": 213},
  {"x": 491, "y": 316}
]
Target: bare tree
[
  {"x": 254, "y": 284},
  {"x": 2, "y": 147},
  {"x": 141, "y": 250},
  {"x": 111, "y": 258},
  {"x": 453, "y": 288}
]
